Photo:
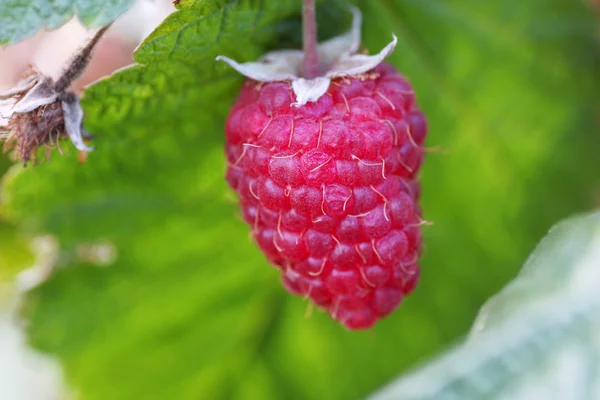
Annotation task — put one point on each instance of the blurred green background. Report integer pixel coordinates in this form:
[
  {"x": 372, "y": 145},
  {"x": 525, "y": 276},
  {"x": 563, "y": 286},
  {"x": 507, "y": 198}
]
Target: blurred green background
[{"x": 190, "y": 309}]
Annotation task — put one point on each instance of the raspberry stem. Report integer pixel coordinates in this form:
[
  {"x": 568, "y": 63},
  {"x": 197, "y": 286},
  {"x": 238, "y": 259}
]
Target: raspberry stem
[{"x": 309, "y": 27}]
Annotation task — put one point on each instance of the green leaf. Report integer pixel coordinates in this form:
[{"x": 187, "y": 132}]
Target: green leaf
[
  {"x": 15, "y": 254},
  {"x": 190, "y": 309},
  {"x": 511, "y": 95},
  {"x": 538, "y": 338},
  {"x": 20, "y": 19}
]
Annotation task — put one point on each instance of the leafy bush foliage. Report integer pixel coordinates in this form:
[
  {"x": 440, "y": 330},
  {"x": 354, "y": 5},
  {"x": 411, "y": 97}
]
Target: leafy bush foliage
[{"x": 190, "y": 309}]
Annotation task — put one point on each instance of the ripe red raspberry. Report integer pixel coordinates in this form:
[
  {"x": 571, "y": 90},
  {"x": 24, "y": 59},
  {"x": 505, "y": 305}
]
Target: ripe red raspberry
[{"x": 330, "y": 191}]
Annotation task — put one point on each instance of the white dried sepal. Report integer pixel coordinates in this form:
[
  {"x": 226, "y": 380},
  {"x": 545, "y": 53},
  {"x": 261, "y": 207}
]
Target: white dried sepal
[
  {"x": 337, "y": 55},
  {"x": 73, "y": 115},
  {"x": 309, "y": 89},
  {"x": 349, "y": 43},
  {"x": 23, "y": 86},
  {"x": 359, "y": 63},
  {"x": 41, "y": 94},
  {"x": 263, "y": 71}
]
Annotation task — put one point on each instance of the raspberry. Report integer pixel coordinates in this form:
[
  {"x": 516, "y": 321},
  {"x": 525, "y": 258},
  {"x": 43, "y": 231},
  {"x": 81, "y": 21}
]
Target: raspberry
[
  {"x": 325, "y": 167},
  {"x": 330, "y": 191}
]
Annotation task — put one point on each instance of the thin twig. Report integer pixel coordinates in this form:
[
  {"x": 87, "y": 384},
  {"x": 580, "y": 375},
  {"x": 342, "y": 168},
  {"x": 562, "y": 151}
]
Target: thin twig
[{"x": 79, "y": 62}]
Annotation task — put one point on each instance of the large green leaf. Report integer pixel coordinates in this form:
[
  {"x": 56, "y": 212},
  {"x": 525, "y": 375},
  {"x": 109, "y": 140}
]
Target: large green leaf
[
  {"x": 511, "y": 94},
  {"x": 14, "y": 251},
  {"x": 20, "y": 19},
  {"x": 537, "y": 339},
  {"x": 190, "y": 309}
]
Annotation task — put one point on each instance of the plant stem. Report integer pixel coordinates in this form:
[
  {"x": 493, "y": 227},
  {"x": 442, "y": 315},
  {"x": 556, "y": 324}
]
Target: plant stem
[
  {"x": 309, "y": 27},
  {"x": 79, "y": 62}
]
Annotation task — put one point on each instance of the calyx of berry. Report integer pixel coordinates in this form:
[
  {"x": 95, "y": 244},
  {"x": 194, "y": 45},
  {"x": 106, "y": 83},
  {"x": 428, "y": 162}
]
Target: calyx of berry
[
  {"x": 37, "y": 91},
  {"x": 338, "y": 57},
  {"x": 42, "y": 110}
]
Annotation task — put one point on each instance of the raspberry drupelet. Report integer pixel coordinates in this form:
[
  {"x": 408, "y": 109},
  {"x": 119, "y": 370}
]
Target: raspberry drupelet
[{"x": 330, "y": 189}]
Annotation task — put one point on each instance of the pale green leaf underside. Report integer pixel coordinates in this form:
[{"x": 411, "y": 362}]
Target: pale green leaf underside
[
  {"x": 190, "y": 309},
  {"x": 20, "y": 19},
  {"x": 539, "y": 338}
]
